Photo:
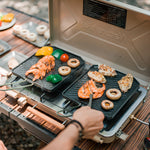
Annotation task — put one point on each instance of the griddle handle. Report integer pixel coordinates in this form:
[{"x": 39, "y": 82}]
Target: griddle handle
[{"x": 45, "y": 118}]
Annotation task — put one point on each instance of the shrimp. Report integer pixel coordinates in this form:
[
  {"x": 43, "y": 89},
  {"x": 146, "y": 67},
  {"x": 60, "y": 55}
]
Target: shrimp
[
  {"x": 49, "y": 62},
  {"x": 40, "y": 66},
  {"x": 84, "y": 91},
  {"x": 90, "y": 88},
  {"x": 43, "y": 66},
  {"x": 35, "y": 72}
]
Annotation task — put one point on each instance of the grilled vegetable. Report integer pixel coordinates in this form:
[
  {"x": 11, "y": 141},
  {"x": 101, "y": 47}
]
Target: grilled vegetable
[
  {"x": 46, "y": 50},
  {"x": 57, "y": 53},
  {"x": 64, "y": 57},
  {"x": 54, "y": 78}
]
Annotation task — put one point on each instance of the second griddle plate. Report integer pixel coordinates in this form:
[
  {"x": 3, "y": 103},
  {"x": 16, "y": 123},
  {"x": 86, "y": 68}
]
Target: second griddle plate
[{"x": 71, "y": 93}]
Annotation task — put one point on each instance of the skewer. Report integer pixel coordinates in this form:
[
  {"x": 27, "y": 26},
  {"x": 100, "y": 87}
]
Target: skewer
[
  {"x": 143, "y": 122},
  {"x": 90, "y": 100}
]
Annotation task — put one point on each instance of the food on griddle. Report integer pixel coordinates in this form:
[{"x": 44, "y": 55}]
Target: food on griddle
[
  {"x": 64, "y": 70},
  {"x": 106, "y": 70},
  {"x": 107, "y": 105},
  {"x": 113, "y": 94},
  {"x": 73, "y": 62},
  {"x": 12, "y": 63},
  {"x": 57, "y": 53},
  {"x": 1, "y": 48},
  {"x": 8, "y": 17},
  {"x": 45, "y": 50},
  {"x": 43, "y": 66},
  {"x": 125, "y": 83},
  {"x": 54, "y": 78},
  {"x": 41, "y": 29},
  {"x": 90, "y": 88},
  {"x": 64, "y": 57},
  {"x": 47, "y": 34},
  {"x": 17, "y": 29},
  {"x": 96, "y": 76},
  {"x": 32, "y": 37}
]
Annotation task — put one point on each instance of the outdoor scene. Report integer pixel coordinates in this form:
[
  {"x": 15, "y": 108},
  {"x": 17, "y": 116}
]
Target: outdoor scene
[{"x": 14, "y": 137}]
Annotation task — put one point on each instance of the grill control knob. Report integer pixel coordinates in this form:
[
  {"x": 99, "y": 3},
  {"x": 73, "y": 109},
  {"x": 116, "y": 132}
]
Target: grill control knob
[{"x": 22, "y": 101}]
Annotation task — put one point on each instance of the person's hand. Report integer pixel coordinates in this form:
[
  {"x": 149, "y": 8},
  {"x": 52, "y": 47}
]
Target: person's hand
[
  {"x": 2, "y": 146},
  {"x": 91, "y": 120}
]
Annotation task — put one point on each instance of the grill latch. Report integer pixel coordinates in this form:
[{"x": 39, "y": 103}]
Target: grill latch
[{"x": 121, "y": 135}]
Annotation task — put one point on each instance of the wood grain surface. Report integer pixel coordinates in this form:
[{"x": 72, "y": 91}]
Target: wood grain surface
[{"x": 134, "y": 129}]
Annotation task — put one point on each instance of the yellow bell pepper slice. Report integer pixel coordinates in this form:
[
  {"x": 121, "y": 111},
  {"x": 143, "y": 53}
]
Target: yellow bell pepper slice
[
  {"x": 46, "y": 50},
  {"x": 8, "y": 17}
]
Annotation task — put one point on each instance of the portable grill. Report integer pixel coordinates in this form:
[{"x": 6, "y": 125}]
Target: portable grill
[{"x": 100, "y": 32}]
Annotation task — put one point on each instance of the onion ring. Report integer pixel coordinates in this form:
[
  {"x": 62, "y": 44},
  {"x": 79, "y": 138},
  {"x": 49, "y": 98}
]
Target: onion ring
[
  {"x": 24, "y": 33},
  {"x": 32, "y": 37},
  {"x": 107, "y": 105},
  {"x": 41, "y": 29},
  {"x": 113, "y": 94},
  {"x": 73, "y": 62},
  {"x": 64, "y": 70}
]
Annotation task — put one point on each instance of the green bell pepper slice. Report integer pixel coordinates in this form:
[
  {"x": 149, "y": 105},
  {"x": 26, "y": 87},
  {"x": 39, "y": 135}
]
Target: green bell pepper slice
[
  {"x": 54, "y": 78},
  {"x": 57, "y": 53}
]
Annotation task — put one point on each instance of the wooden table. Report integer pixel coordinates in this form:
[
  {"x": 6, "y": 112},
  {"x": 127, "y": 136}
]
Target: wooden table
[{"x": 134, "y": 129}]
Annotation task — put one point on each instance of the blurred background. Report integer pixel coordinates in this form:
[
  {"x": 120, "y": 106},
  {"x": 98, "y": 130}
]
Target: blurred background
[
  {"x": 33, "y": 7},
  {"x": 40, "y": 7}
]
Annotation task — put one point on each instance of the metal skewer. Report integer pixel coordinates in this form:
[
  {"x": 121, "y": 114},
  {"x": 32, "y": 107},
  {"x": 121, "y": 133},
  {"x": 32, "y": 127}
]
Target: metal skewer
[
  {"x": 143, "y": 122},
  {"x": 90, "y": 101}
]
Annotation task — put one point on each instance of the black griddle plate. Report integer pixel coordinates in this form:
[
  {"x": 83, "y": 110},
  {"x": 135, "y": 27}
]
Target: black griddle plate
[
  {"x": 71, "y": 93},
  {"x": 21, "y": 69}
]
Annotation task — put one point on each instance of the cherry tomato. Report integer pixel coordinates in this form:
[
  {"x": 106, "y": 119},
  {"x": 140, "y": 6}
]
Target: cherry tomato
[{"x": 64, "y": 57}]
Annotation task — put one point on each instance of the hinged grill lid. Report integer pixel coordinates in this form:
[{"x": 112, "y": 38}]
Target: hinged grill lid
[{"x": 94, "y": 29}]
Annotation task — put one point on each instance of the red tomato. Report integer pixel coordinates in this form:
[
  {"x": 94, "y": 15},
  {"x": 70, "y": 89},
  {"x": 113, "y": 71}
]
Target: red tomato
[{"x": 64, "y": 57}]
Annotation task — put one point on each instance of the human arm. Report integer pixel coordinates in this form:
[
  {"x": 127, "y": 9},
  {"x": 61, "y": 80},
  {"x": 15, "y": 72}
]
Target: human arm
[
  {"x": 92, "y": 122},
  {"x": 2, "y": 146}
]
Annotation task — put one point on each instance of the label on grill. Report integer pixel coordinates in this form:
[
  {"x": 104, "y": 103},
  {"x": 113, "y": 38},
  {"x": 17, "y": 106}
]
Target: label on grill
[{"x": 105, "y": 12}]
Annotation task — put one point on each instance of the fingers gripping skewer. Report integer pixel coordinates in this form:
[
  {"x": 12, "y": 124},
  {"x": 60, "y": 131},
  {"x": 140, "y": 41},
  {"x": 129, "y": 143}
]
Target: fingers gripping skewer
[{"x": 96, "y": 138}]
